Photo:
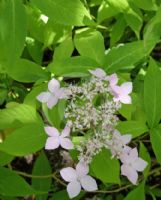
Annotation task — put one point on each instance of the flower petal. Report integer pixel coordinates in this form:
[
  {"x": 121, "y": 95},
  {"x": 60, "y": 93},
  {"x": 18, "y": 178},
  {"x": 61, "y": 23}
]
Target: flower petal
[
  {"x": 65, "y": 132},
  {"x": 126, "y": 99},
  {"x": 66, "y": 143},
  {"x": 126, "y": 138},
  {"x": 52, "y": 143},
  {"x": 73, "y": 189},
  {"x": 130, "y": 173},
  {"x": 82, "y": 169},
  {"x": 43, "y": 97},
  {"x": 51, "y": 131},
  {"x": 139, "y": 164},
  {"x": 126, "y": 87},
  {"x": 68, "y": 174},
  {"x": 53, "y": 85},
  {"x": 88, "y": 183},
  {"x": 100, "y": 73},
  {"x": 133, "y": 154},
  {"x": 62, "y": 93},
  {"x": 52, "y": 101},
  {"x": 113, "y": 79}
]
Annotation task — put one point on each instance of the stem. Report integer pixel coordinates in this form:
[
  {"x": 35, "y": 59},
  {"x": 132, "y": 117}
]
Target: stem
[
  {"x": 41, "y": 176},
  {"x": 156, "y": 170}
]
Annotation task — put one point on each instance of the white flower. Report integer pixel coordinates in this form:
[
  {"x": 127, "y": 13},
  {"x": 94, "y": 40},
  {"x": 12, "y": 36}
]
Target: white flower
[
  {"x": 121, "y": 93},
  {"x": 78, "y": 178},
  {"x": 56, "y": 139},
  {"x": 99, "y": 73},
  {"x": 113, "y": 80},
  {"x": 132, "y": 164},
  {"x": 118, "y": 142},
  {"x": 53, "y": 95}
]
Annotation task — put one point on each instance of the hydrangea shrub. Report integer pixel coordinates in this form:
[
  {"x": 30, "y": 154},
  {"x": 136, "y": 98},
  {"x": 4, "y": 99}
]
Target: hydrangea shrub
[{"x": 80, "y": 99}]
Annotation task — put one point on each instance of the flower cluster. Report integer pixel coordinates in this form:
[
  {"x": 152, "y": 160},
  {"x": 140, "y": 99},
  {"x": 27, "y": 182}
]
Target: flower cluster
[{"x": 91, "y": 111}]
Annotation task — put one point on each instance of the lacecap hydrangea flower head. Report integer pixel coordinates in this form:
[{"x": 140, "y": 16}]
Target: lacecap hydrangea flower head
[{"x": 92, "y": 106}]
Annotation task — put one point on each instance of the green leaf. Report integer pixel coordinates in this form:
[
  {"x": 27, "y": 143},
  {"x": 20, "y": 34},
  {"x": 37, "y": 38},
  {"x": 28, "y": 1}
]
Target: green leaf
[
  {"x": 127, "y": 110},
  {"x": 90, "y": 43},
  {"x": 17, "y": 116},
  {"x": 55, "y": 115},
  {"x": 152, "y": 94},
  {"x": 41, "y": 168},
  {"x": 26, "y": 71},
  {"x": 155, "y": 138},
  {"x": 63, "y": 195},
  {"x": 105, "y": 11},
  {"x": 35, "y": 50},
  {"x": 30, "y": 98},
  {"x": 12, "y": 37},
  {"x": 144, "y": 154},
  {"x": 55, "y": 33},
  {"x": 5, "y": 158},
  {"x": 76, "y": 66},
  {"x": 137, "y": 193},
  {"x": 125, "y": 56},
  {"x": 135, "y": 128},
  {"x": 134, "y": 20},
  {"x": 119, "y": 5},
  {"x": 105, "y": 168},
  {"x": 25, "y": 140},
  {"x": 13, "y": 185},
  {"x": 146, "y": 4},
  {"x": 64, "y": 50},
  {"x": 152, "y": 31},
  {"x": 35, "y": 25},
  {"x": 66, "y": 12},
  {"x": 117, "y": 30}
]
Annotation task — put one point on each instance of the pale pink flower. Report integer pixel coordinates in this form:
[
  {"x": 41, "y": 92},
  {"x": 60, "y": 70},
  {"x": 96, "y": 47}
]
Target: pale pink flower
[
  {"x": 113, "y": 80},
  {"x": 52, "y": 96},
  {"x": 132, "y": 164},
  {"x": 118, "y": 142},
  {"x": 78, "y": 178},
  {"x": 121, "y": 93},
  {"x": 56, "y": 139},
  {"x": 99, "y": 73}
]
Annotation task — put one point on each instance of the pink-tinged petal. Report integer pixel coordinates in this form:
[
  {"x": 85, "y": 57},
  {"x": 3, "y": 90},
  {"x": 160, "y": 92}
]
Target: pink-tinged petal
[
  {"x": 139, "y": 164},
  {"x": 126, "y": 138},
  {"x": 116, "y": 90},
  {"x": 68, "y": 174},
  {"x": 116, "y": 134},
  {"x": 82, "y": 169},
  {"x": 51, "y": 131},
  {"x": 127, "y": 149},
  {"x": 73, "y": 189},
  {"x": 133, "y": 154},
  {"x": 124, "y": 157},
  {"x": 52, "y": 143},
  {"x": 62, "y": 93},
  {"x": 125, "y": 99},
  {"x": 130, "y": 173},
  {"x": 43, "y": 97},
  {"x": 100, "y": 73},
  {"x": 116, "y": 99},
  {"x": 52, "y": 101},
  {"x": 126, "y": 88},
  {"x": 88, "y": 183},
  {"x": 113, "y": 79},
  {"x": 66, "y": 143},
  {"x": 65, "y": 132},
  {"x": 53, "y": 85}
]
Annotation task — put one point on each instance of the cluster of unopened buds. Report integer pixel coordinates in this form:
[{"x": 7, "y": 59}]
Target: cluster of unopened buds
[{"x": 91, "y": 110}]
